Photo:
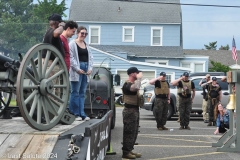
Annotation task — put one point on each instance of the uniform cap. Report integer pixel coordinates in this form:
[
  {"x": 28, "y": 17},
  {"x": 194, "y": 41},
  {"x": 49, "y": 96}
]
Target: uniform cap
[
  {"x": 214, "y": 78},
  {"x": 55, "y": 17},
  {"x": 133, "y": 70},
  {"x": 163, "y": 74},
  {"x": 186, "y": 74}
]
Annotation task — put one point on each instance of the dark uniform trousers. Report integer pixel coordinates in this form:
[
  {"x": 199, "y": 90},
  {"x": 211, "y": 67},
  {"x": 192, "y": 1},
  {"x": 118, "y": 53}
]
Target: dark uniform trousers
[
  {"x": 185, "y": 107},
  {"x": 130, "y": 128},
  {"x": 161, "y": 111},
  {"x": 210, "y": 107}
]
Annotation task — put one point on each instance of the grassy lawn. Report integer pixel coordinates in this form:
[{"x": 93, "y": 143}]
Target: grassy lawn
[{"x": 13, "y": 103}]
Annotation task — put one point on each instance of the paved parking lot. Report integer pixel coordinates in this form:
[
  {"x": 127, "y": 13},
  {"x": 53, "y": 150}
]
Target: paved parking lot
[{"x": 177, "y": 144}]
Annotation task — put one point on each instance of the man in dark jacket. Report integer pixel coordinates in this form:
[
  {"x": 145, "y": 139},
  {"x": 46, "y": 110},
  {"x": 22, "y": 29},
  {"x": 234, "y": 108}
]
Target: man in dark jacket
[{"x": 52, "y": 36}]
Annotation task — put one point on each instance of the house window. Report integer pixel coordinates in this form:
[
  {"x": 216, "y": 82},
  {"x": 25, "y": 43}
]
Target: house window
[
  {"x": 196, "y": 66},
  {"x": 186, "y": 65},
  {"x": 128, "y": 34},
  {"x": 158, "y": 62},
  {"x": 168, "y": 78},
  {"x": 156, "y": 36},
  {"x": 162, "y": 63},
  {"x": 94, "y": 34}
]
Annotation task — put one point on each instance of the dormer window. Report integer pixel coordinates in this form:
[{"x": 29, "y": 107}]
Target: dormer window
[
  {"x": 94, "y": 34},
  {"x": 156, "y": 36},
  {"x": 128, "y": 34}
]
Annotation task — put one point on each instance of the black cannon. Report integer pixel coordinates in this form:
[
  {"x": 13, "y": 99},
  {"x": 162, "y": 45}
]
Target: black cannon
[
  {"x": 32, "y": 82},
  {"x": 100, "y": 96}
]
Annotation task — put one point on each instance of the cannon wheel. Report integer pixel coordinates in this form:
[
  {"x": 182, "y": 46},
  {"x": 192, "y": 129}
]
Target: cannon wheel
[{"x": 42, "y": 94}]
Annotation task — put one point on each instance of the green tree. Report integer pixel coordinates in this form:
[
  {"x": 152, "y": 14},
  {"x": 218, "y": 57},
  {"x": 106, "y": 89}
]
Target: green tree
[
  {"x": 23, "y": 25},
  {"x": 224, "y": 47},
  {"x": 218, "y": 67},
  {"x": 15, "y": 15},
  {"x": 47, "y": 7},
  {"x": 211, "y": 46}
]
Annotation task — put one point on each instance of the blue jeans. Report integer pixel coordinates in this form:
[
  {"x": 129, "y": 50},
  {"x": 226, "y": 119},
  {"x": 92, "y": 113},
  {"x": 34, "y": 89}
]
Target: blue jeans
[{"x": 78, "y": 90}]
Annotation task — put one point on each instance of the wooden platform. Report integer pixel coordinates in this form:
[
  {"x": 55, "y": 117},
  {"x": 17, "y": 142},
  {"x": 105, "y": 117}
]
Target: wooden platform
[{"x": 19, "y": 141}]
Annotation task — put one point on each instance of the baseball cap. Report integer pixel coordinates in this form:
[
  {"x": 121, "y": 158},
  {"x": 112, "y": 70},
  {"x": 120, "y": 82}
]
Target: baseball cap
[
  {"x": 163, "y": 74},
  {"x": 214, "y": 78},
  {"x": 55, "y": 17},
  {"x": 186, "y": 74},
  {"x": 133, "y": 70}
]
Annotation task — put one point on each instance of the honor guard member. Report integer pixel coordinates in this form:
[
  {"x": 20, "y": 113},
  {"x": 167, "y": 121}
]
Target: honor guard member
[
  {"x": 177, "y": 105},
  {"x": 186, "y": 92},
  {"x": 131, "y": 98},
  {"x": 162, "y": 100},
  {"x": 214, "y": 97},
  {"x": 205, "y": 98}
]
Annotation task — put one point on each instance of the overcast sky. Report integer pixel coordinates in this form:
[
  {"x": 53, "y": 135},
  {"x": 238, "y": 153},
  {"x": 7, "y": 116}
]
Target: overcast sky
[{"x": 202, "y": 25}]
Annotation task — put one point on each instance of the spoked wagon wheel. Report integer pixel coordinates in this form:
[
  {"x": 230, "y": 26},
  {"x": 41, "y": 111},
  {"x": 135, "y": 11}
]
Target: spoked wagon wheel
[{"x": 42, "y": 87}]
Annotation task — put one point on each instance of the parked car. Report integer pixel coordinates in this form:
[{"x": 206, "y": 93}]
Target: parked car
[{"x": 149, "y": 95}]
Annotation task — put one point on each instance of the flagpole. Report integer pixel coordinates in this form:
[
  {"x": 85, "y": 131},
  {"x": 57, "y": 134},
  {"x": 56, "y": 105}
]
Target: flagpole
[{"x": 236, "y": 64}]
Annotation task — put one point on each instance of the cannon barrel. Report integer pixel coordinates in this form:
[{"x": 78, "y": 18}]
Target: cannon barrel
[
  {"x": 4, "y": 59},
  {"x": 5, "y": 62}
]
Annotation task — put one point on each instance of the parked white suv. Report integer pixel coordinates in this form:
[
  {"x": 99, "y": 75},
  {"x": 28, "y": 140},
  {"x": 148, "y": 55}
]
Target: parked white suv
[{"x": 149, "y": 96}]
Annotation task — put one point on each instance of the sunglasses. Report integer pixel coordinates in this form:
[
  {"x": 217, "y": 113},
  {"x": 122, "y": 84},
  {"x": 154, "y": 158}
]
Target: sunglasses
[{"x": 84, "y": 34}]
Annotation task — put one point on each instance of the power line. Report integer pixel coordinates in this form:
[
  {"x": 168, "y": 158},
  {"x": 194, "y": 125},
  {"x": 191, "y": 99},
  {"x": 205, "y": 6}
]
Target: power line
[
  {"x": 203, "y": 5},
  {"x": 214, "y": 21}
]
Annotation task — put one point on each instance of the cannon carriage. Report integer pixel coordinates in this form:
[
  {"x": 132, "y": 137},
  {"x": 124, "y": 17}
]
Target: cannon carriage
[
  {"x": 42, "y": 97},
  {"x": 41, "y": 101}
]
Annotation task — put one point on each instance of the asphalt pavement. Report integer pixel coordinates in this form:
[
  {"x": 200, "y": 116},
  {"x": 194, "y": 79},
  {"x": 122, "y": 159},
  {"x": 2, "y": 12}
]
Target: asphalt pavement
[{"x": 194, "y": 144}]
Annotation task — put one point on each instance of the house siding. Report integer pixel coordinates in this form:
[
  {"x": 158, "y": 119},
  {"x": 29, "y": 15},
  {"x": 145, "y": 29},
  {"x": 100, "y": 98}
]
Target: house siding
[
  {"x": 120, "y": 64},
  {"x": 136, "y": 51},
  {"x": 171, "y": 61},
  {"x": 111, "y": 34}
]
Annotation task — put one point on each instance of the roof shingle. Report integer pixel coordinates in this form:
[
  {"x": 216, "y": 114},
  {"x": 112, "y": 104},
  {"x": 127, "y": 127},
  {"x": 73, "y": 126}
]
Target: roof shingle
[
  {"x": 222, "y": 56},
  {"x": 144, "y": 51},
  {"x": 123, "y": 11}
]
